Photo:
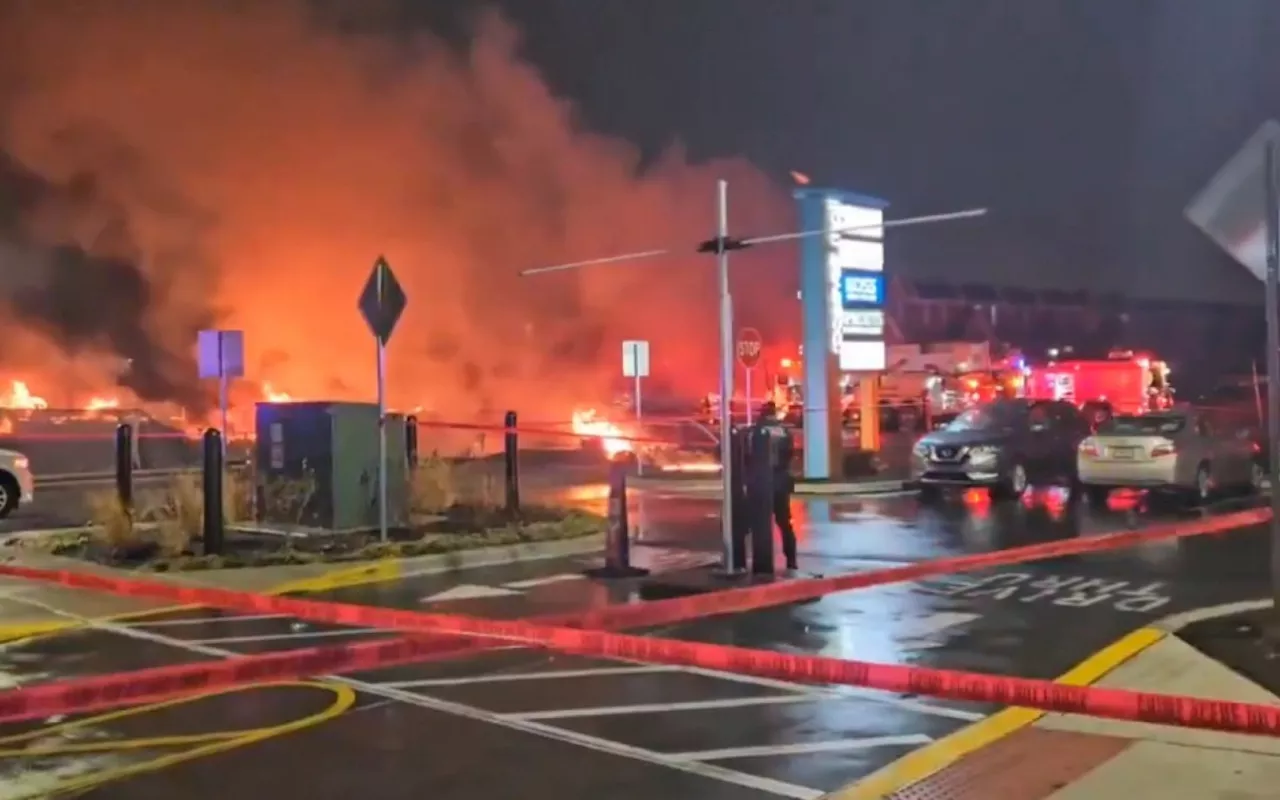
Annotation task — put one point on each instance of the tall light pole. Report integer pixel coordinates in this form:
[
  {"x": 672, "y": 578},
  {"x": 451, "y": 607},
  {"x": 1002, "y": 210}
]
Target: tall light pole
[{"x": 721, "y": 246}]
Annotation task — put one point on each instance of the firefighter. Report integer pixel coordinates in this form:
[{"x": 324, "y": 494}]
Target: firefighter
[{"x": 777, "y": 438}]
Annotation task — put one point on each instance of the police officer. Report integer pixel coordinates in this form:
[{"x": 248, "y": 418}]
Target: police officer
[{"x": 770, "y": 431}]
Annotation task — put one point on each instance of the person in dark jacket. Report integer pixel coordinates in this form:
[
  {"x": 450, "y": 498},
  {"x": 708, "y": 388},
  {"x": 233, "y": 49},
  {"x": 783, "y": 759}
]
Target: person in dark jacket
[{"x": 781, "y": 450}]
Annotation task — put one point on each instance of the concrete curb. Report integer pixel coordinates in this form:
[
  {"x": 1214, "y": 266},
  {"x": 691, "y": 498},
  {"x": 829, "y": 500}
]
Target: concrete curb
[
  {"x": 702, "y": 486},
  {"x": 340, "y": 576}
]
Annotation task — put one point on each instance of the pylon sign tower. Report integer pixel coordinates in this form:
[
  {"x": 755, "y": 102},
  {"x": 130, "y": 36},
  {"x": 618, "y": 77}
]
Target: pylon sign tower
[{"x": 842, "y": 297}]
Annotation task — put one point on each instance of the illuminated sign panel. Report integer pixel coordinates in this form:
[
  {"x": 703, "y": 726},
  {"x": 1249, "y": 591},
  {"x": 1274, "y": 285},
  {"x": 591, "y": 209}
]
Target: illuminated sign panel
[
  {"x": 856, "y": 284},
  {"x": 862, "y": 323},
  {"x": 860, "y": 289},
  {"x": 860, "y": 355}
]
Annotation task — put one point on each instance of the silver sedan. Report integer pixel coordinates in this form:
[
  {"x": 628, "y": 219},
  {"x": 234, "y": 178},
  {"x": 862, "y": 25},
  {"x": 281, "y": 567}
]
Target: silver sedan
[{"x": 1178, "y": 451}]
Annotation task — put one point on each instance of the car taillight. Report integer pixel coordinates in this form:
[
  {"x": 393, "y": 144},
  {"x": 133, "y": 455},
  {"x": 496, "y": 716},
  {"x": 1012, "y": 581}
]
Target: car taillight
[
  {"x": 1088, "y": 448},
  {"x": 1166, "y": 449}
]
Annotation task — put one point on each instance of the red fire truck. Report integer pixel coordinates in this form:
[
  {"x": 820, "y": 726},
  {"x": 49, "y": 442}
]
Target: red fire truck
[{"x": 1123, "y": 383}]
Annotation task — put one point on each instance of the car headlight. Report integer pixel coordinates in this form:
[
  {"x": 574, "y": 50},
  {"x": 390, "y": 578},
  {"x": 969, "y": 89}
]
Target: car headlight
[
  {"x": 922, "y": 449},
  {"x": 983, "y": 452}
]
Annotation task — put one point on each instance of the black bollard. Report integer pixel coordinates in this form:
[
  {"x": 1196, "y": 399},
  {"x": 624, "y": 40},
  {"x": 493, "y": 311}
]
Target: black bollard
[
  {"x": 617, "y": 541},
  {"x": 411, "y": 441},
  {"x": 760, "y": 502},
  {"x": 738, "y": 479},
  {"x": 511, "y": 459},
  {"x": 124, "y": 466},
  {"x": 212, "y": 467}
]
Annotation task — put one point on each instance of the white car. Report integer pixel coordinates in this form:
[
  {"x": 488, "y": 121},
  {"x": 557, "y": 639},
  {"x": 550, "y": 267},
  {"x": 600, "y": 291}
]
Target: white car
[
  {"x": 1177, "y": 451},
  {"x": 17, "y": 484}
]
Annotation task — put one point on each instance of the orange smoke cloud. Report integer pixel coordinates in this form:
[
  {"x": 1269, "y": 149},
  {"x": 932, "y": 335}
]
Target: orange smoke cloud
[{"x": 263, "y": 160}]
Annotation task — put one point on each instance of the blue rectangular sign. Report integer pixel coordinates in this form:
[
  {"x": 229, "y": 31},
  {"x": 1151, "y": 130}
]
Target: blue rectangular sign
[{"x": 860, "y": 289}]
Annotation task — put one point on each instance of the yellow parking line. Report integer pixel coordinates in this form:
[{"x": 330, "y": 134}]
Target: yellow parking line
[
  {"x": 933, "y": 758},
  {"x": 208, "y": 743}
]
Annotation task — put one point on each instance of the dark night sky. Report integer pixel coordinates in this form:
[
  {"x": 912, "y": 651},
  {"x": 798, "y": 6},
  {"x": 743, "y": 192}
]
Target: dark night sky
[{"x": 1085, "y": 125}]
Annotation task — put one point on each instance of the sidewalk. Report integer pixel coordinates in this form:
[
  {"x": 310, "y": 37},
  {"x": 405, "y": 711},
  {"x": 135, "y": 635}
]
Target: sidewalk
[{"x": 1025, "y": 755}]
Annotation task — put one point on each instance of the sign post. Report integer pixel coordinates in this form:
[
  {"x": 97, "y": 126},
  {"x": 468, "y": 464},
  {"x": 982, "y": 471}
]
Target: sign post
[
  {"x": 381, "y": 303},
  {"x": 1240, "y": 211},
  {"x": 221, "y": 356},
  {"x": 750, "y": 346},
  {"x": 635, "y": 364}
]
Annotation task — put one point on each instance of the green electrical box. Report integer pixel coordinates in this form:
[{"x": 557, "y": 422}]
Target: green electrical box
[{"x": 317, "y": 466}]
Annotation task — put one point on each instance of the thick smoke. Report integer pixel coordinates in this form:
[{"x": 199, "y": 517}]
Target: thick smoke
[{"x": 188, "y": 164}]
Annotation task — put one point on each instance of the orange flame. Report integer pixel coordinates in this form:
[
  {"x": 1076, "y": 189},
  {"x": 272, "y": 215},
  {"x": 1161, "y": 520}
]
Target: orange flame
[
  {"x": 610, "y": 436},
  {"x": 101, "y": 403},
  {"x": 272, "y": 396},
  {"x": 20, "y": 396}
]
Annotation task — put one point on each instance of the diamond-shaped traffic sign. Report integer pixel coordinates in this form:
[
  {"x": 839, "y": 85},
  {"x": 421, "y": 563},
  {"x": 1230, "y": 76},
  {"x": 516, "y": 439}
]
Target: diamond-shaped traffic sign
[{"x": 382, "y": 301}]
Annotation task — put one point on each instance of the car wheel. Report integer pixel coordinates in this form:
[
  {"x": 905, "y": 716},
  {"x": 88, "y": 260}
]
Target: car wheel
[
  {"x": 1203, "y": 489},
  {"x": 1013, "y": 485},
  {"x": 9, "y": 494},
  {"x": 1257, "y": 476}
]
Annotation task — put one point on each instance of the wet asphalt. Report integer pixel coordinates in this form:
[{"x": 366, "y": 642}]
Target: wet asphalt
[{"x": 517, "y": 722}]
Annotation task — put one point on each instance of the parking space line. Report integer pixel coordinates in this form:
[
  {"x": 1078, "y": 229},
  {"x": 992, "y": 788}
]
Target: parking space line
[
  {"x": 837, "y": 746},
  {"x": 273, "y": 637},
  {"x": 660, "y": 708},
  {"x": 532, "y": 676},
  {"x": 174, "y": 623},
  {"x": 600, "y": 745},
  {"x": 840, "y": 692}
]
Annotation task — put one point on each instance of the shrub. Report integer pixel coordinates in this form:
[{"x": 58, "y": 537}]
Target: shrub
[
  {"x": 438, "y": 484},
  {"x": 113, "y": 524}
]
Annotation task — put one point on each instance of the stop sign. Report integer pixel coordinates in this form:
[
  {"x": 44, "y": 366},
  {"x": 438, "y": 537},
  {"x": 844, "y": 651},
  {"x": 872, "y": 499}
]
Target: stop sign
[{"x": 750, "y": 344}]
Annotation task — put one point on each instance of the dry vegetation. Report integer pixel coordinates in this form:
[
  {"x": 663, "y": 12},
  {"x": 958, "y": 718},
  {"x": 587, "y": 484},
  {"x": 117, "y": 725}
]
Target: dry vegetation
[
  {"x": 171, "y": 516},
  {"x": 438, "y": 484},
  {"x": 453, "y": 506}
]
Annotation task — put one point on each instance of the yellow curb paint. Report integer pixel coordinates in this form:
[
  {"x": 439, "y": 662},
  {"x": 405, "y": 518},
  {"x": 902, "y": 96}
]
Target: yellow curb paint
[{"x": 933, "y": 758}]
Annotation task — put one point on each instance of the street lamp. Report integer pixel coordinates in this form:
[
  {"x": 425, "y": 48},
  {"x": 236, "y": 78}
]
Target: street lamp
[{"x": 721, "y": 246}]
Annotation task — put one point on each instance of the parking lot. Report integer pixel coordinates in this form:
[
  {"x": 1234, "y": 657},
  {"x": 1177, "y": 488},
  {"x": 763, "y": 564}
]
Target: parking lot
[{"x": 507, "y": 719}]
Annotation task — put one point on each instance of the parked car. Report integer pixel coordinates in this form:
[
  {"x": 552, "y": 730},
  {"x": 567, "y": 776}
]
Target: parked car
[
  {"x": 1180, "y": 451},
  {"x": 17, "y": 485},
  {"x": 1002, "y": 445}
]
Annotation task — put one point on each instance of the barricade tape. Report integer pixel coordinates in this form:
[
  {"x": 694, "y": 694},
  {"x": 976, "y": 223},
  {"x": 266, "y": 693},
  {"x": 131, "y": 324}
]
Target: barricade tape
[
  {"x": 642, "y": 615},
  {"x": 165, "y": 683},
  {"x": 529, "y": 431}
]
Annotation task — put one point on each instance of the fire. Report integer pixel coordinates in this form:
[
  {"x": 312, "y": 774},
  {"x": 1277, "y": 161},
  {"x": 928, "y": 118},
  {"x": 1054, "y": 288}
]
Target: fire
[
  {"x": 101, "y": 403},
  {"x": 20, "y": 396},
  {"x": 272, "y": 396},
  {"x": 610, "y": 436}
]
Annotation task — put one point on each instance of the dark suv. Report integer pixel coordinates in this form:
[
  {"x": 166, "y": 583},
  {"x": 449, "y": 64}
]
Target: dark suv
[{"x": 1003, "y": 445}]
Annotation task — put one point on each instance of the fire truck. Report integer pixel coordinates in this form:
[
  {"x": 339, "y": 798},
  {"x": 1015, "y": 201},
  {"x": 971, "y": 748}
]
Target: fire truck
[{"x": 1124, "y": 382}]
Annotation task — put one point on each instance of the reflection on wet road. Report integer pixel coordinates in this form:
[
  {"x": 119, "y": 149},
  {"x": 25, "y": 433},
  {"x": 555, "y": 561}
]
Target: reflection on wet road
[{"x": 514, "y": 721}]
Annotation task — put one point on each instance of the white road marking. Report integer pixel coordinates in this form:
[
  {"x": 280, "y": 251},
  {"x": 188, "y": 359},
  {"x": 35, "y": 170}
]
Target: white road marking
[
  {"x": 468, "y": 591},
  {"x": 533, "y": 582},
  {"x": 660, "y": 708},
  {"x": 849, "y": 692},
  {"x": 711, "y": 771},
  {"x": 534, "y": 676},
  {"x": 838, "y": 746},
  {"x": 168, "y": 623},
  {"x": 272, "y": 637}
]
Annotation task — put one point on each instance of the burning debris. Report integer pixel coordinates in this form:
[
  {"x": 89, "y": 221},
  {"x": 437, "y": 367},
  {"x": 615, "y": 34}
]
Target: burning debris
[{"x": 124, "y": 230}]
